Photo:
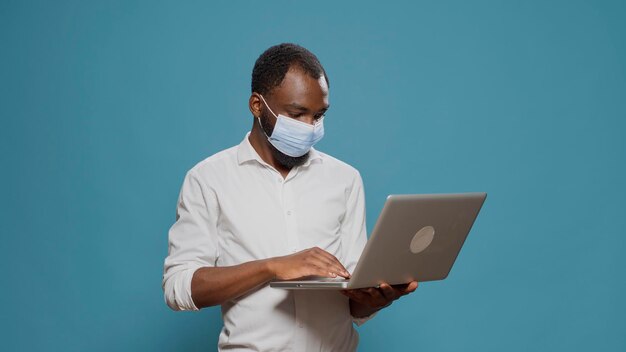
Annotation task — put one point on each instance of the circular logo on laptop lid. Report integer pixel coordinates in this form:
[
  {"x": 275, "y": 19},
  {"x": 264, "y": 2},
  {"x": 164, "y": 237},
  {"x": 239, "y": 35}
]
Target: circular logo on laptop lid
[{"x": 422, "y": 239}]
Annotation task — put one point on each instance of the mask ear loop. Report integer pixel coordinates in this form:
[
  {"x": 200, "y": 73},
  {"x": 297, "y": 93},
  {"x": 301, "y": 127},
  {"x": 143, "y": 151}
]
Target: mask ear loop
[
  {"x": 262, "y": 129},
  {"x": 259, "y": 118},
  {"x": 276, "y": 116}
]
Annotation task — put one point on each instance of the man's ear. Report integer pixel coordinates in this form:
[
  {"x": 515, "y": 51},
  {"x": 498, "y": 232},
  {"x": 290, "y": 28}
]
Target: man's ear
[{"x": 254, "y": 104}]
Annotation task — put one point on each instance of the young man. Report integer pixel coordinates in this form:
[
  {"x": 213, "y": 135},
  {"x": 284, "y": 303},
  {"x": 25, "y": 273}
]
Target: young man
[{"x": 274, "y": 207}]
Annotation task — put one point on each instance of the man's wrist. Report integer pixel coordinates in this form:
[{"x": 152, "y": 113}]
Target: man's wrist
[
  {"x": 359, "y": 310},
  {"x": 269, "y": 267}
]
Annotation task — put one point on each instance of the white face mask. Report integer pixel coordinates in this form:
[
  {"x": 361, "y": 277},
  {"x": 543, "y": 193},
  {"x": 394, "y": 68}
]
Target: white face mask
[{"x": 292, "y": 137}]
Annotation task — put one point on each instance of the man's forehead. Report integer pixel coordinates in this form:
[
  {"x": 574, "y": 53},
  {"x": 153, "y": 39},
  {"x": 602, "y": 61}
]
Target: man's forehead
[{"x": 299, "y": 88}]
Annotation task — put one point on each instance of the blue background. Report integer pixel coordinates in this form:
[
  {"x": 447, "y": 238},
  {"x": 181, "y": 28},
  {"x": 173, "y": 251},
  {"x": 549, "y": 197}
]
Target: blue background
[{"x": 106, "y": 105}]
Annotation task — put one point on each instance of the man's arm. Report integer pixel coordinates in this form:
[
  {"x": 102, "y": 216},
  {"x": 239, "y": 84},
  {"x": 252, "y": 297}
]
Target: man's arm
[
  {"x": 215, "y": 285},
  {"x": 191, "y": 280}
]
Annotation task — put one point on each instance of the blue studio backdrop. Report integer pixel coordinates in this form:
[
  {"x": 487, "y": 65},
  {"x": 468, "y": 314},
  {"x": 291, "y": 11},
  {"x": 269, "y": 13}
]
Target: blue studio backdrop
[{"x": 105, "y": 105}]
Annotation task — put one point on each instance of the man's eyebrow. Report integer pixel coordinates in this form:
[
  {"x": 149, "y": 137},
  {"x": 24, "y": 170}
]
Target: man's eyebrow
[
  {"x": 302, "y": 108},
  {"x": 295, "y": 106}
]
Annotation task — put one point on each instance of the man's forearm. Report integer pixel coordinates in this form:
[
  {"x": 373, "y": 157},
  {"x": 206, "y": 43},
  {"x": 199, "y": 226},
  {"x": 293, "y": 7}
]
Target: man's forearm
[{"x": 212, "y": 286}]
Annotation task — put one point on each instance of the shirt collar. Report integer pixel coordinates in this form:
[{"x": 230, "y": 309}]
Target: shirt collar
[{"x": 246, "y": 152}]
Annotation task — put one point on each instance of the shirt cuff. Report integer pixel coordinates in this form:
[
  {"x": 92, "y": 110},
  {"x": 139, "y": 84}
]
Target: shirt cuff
[
  {"x": 361, "y": 321},
  {"x": 179, "y": 297}
]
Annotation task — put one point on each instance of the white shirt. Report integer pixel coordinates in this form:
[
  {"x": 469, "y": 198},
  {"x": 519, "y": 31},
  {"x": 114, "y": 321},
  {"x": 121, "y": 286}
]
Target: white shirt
[{"x": 234, "y": 208}]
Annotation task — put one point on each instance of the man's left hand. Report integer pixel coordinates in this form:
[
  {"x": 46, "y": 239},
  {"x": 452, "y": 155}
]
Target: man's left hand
[{"x": 378, "y": 298}]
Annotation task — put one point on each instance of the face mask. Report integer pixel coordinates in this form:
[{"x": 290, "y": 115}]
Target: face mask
[{"x": 292, "y": 137}]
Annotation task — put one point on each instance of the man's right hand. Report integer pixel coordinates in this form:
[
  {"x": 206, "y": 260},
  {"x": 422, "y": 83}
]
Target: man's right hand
[{"x": 312, "y": 261}]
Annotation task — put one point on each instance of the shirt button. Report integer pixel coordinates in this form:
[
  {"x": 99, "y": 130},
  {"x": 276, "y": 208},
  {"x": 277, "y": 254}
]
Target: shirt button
[{"x": 288, "y": 212}]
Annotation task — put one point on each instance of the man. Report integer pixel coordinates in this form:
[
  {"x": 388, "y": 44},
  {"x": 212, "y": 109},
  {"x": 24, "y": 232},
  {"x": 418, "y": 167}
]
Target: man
[{"x": 274, "y": 207}]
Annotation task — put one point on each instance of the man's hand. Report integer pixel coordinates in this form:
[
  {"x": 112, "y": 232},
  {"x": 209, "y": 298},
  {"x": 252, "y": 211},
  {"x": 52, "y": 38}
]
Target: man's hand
[
  {"x": 312, "y": 261},
  {"x": 365, "y": 301}
]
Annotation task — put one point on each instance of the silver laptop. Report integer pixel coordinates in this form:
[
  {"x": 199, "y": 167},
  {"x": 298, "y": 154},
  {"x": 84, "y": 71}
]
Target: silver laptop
[{"x": 417, "y": 237}]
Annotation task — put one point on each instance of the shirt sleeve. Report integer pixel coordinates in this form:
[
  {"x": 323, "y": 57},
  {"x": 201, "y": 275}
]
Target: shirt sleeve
[
  {"x": 192, "y": 241},
  {"x": 354, "y": 232}
]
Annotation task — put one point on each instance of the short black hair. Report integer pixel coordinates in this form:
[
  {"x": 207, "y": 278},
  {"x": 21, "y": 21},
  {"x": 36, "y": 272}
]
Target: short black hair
[{"x": 270, "y": 68}]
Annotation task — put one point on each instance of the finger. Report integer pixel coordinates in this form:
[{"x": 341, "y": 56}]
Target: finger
[
  {"x": 376, "y": 298},
  {"x": 317, "y": 254},
  {"x": 349, "y": 294},
  {"x": 388, "y": 291},
  {"x": 359, "y": 296},
  {"x": 333, "y": 267},
  {"x": 405, "y": 289},
  {"x": 316, "y": 264},
  {"x": 332, "y": 262},
  {"x": 412, "y": 286},
  {"x": 322, "y": 268},
  {"x": 400, "y": 287},
  {"x": 332, "y": 259}
]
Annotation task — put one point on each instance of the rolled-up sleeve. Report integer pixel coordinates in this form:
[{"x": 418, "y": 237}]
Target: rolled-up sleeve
[
  {"x": 192, "y": 241},
  {"x": 353, "y": 230}
]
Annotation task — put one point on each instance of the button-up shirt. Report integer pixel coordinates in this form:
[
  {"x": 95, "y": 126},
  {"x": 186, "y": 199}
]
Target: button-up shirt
[{"x": 234, "y": 208}]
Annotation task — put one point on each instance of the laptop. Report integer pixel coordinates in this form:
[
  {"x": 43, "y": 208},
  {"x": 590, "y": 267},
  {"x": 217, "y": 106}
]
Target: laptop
[{"x": 417, "y": 238}]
